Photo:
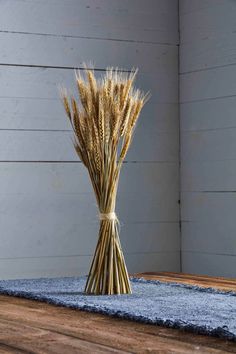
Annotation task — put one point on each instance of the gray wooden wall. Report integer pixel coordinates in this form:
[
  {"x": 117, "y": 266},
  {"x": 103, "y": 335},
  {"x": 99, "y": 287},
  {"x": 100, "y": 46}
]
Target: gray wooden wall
[
  {"x": 47, "y": 209},
  {"x": 208, "y": 136}
]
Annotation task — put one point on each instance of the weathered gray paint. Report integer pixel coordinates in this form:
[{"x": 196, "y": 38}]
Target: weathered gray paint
[
  {"x": 47, "y": 205},
  {"x": 43, "y": 83},
  {"x": 66, "y": 52},
  {"x": 133, "y": 20},
  {"x": 57, "y": 146},
  {"x": 207, "y": 114},
  {"x": 32, "y": 113},
  {"x": 48, "y": 213},
  {"x": 203, "y": 229},
  {"x": 74, "y": 265},
  {"x": 209, "y": 263},
  {"x": 196, "y": 176},
  {"x": 208, "y": 136}
]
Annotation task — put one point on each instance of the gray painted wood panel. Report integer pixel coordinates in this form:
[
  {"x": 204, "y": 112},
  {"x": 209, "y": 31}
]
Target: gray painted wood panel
[
  {"x": 208, "y": 115},
  {"x": 209, "y": 222},
  {"x": 51, "y": 207},
  {"x": 79, "y": 265},
  {"x": 208, "y": 176},
  {"x": 128, "y": 20},
  {"x": 200, "y": 206},
  {"x": 48, "y": 211},
  {"x": 209, "y": 264},
  {"x": 197, "y": 55},
  {"x": 209, "y": 84},
  {"x": 191, "y": 7},
  {"x": 37, "y": 114},
  {"x": 207, "y": 123},
  {"x": 209, "y": 145},
  {"x": 57, "y": 146},
  {"x": 82, "y": 206},
  {"x": 194, "y": 237},
  {"x": 44, "y": 83},
  {"x": 37, "y": 50},
  {"x": 70, "y": 178},
  {"x": 44, "y": 267},
  {"x": 202, "y": 19},
  {"x": 73, "y": 238},
  {"x": 208, "y": 34}
]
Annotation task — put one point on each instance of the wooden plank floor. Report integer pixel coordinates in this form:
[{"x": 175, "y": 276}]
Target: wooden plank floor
[{"x": 28, "y": 326}]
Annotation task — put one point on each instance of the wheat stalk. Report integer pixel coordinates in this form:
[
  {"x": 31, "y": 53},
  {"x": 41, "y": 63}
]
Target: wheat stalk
[{"x": 103, "y": 127}]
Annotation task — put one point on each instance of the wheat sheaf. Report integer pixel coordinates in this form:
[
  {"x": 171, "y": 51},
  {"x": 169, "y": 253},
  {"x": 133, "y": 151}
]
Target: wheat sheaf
[{"x": 103, "y": 121}]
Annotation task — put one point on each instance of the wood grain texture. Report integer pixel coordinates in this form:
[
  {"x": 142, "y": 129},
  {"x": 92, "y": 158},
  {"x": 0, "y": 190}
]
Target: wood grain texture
[
  {"x": 33, "y": 327},
  {"x": 216, "y": 282}
]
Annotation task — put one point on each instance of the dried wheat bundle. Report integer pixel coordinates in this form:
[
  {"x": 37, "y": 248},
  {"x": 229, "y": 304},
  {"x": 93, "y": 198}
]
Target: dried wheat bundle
[{"x": 103, "y": 124}]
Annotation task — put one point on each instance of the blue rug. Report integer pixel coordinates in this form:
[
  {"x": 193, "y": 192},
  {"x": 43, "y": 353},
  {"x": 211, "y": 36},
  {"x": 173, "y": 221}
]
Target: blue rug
[{"x": 192, "y": 308}]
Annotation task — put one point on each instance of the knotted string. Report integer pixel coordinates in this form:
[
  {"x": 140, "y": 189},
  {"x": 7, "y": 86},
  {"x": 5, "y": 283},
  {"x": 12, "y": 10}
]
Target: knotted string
[{"x": 110, "y": 217}]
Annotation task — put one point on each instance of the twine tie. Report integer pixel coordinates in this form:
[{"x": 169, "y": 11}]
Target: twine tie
[{"x": 108, "y": 216}]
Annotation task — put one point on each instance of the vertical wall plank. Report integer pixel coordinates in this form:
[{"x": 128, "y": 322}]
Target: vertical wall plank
[{"x": 208, "y": 135}]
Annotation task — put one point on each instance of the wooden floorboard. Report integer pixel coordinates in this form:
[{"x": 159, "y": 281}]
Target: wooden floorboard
[
  {"x": 28, "y": 326},
  {"x": 200, "y": 280}
]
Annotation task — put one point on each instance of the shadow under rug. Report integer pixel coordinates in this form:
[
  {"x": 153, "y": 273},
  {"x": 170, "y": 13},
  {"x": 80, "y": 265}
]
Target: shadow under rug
[{"x": 187, "y": 307}]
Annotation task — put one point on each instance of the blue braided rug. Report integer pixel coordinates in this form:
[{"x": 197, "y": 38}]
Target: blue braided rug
[{"x": 192, "y": 308}]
